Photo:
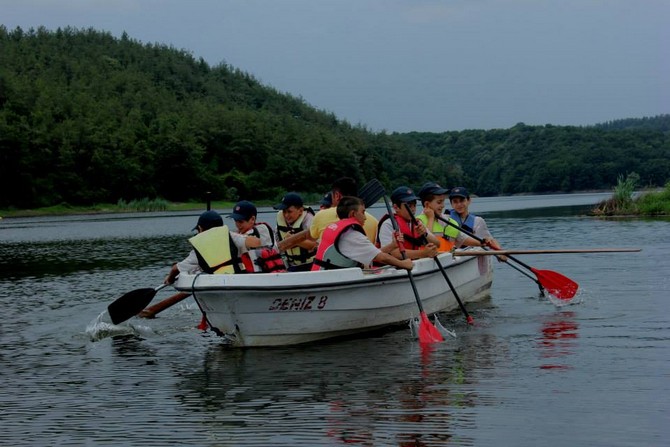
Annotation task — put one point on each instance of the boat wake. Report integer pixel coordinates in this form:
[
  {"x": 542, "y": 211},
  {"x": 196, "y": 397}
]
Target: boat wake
[
  {"x": 558, "y": 302},
  {"x": 102, "y": 327}
]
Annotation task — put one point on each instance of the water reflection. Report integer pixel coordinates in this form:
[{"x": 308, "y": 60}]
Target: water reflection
[{"x": 558, "y": 340}]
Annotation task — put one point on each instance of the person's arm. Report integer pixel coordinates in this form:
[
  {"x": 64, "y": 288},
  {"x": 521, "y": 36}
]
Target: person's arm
[
  {"x": 385, "y": 258},
  {"x": 422, "y": 231}
]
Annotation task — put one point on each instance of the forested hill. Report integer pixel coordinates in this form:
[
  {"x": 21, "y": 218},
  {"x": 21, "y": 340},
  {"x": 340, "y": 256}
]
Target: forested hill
[{"x": 86, "y": 117}]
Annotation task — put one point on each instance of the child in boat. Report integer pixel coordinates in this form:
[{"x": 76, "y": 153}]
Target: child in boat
[
  {"x": 343, "y": 186},
  {"x": 292, "y": 218},
  {"x": 191, "y": 264},
  {"x": 459, "y": 198},
  {"x": 412, "y": 232},
  {"x": 432, "y": 198},
  {"x": 344, "y": 243},
  {"x": 244, "y": 214}
]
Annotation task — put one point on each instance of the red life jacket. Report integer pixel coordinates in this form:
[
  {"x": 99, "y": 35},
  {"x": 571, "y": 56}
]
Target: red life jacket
[
  {"x": 411, "y": 239},
  {"x": 328, "y": 255},
  {"x": 263, "y": 259}
]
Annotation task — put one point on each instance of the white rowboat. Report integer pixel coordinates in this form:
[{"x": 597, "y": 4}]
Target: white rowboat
[{"x": 277, "y": 309}]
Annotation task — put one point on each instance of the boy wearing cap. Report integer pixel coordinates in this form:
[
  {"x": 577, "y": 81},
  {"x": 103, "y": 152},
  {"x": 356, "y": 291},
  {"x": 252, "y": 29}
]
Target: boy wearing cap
[
  {"x": 432, "y": 198},
  {"x": 344, "y": 243},
  {"x": 412, "y": 232},
  {"x": 292, "y": 218},
  {"x": 191, "y": 264},
  {"x": 244, "y": 214},
  {"x": 459, "y": 197}
]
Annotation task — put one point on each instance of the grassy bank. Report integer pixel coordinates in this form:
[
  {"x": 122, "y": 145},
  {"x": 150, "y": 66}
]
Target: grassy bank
[
  {"x": 134, "y": 206},
  {"x": 622, "y": 202}
]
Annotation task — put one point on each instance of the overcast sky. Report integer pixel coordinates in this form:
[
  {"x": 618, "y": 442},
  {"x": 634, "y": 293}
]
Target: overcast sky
[{"x": 404, "y": 65}]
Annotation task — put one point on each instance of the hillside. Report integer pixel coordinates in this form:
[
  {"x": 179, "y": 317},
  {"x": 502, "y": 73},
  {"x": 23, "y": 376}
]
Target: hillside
[{"x": 88, "y": 118}]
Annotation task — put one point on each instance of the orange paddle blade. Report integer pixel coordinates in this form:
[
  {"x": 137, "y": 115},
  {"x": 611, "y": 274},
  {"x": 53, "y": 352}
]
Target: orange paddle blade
[{"x": 427, "y": 332}]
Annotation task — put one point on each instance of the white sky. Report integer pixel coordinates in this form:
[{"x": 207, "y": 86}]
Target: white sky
[{"x": 404, "y": 65}]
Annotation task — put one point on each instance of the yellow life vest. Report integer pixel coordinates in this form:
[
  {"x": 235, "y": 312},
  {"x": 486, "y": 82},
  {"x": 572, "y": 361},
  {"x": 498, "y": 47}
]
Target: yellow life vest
[
  {"x": 296, "y": 255},
  {"x": 213, "y": 250},
  {"x": 446, "y": 234}
]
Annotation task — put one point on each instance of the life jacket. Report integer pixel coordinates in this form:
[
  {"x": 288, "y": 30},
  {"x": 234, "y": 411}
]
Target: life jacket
[
  {"x": 296, "y": 255},
  {"x": 446, "y": 234},
  {"x": 411, "y": 239},
  {"x": 468, "y": 224},
  {"x": 254, "y": 232},
  {"x": 328, "y": 255},
  {"x": 264, "y": 259},
  {"x": 213, "y": 250}
]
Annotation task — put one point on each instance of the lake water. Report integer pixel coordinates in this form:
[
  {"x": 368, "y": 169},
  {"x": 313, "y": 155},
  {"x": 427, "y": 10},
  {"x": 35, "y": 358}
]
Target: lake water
[{"x": 528, "y": 373}]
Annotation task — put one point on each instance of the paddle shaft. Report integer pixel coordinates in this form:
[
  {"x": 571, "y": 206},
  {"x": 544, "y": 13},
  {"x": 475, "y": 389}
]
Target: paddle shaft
[
  {"x": 401, "y": 247},
  {"x": 468, "y": 318},
  {"x": 539, "y": 252},
  {"x": 510, "y": 257},
  {"x": 150, "y": 312}
]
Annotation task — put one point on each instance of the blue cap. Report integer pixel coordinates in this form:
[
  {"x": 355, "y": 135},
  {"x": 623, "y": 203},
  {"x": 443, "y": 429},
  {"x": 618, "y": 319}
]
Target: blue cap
[
  {"x": 209, "y": 219},
  {"x": 290, "y": 199},
  {"x": 459, "y": 191},
  {"x": 243, "y": 210},
  {"x": 403, "y": 194}
]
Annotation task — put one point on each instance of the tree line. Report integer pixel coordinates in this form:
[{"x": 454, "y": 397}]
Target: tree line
[{"x": 89, "y": 118}]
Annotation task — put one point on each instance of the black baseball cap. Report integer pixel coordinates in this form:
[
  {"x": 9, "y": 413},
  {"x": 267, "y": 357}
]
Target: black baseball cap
[
  {"x": 432, "y": 188},
  {"x": 243, "y": 210},
  {"x": 459, "y": 191},
  {"x": 290, "y": 199},
  {"x": 403, "y": 194},
  {"x": 209, "y": 219}
]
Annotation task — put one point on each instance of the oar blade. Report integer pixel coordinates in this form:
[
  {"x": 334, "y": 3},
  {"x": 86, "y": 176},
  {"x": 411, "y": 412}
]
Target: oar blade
[
  {"x": 130, "y": 304},
  {"x": 371, "y": 192},
  {"x": 428, "y": 333},
  {"x": 558, "y": 285}
]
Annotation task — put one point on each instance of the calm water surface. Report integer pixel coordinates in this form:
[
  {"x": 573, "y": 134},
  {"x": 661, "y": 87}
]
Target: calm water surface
[{"x": 528, "y": 373}]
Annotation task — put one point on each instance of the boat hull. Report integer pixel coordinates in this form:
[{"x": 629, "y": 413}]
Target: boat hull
[{"x": 278, "y": 309}]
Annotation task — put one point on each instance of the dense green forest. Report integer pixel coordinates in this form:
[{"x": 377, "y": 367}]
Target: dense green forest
[{"x": 87, "y": 118}]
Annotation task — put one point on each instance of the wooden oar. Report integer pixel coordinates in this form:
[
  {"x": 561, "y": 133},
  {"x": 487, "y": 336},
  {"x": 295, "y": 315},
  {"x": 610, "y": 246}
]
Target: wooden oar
[
  {"x": 150, "y": 312},
  {"x": 131, "y": 304},
  {"x": 541, "y": 252},
  {"x": 468, "y": 317},
  {"x": 427, "y": 332},
  {"x": 558, "y": 285}
]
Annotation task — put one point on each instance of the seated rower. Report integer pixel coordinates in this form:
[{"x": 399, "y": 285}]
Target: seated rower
[
  {"x": 209, "y": 257},
  {"x": 432, "y": 198},
  {"x": 292, "y": 218},
  {"x": 412, "y": 232},
  {"x": 459, "y": 198},
  {"x": 344, "y": 243},
  {"x": 344, "y": 186},
  {"x": 265, "y": 259}
]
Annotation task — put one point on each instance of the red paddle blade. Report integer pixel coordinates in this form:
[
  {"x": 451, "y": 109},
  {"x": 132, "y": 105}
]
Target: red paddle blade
[
  {"x": 558, "y": 285},
  {"x": 427, "y": 332}
]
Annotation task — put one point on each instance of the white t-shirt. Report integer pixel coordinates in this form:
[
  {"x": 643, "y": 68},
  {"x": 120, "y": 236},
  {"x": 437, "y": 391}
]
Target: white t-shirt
[
  {"x": 240, "y": 239},
  {"x": 189, "y": 265},
  {"x": 355, "y": 245}
]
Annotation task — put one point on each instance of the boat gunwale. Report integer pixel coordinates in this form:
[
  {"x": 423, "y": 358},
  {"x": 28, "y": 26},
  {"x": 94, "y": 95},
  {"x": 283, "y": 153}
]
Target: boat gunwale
[{"x": 367, "y": 279}]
